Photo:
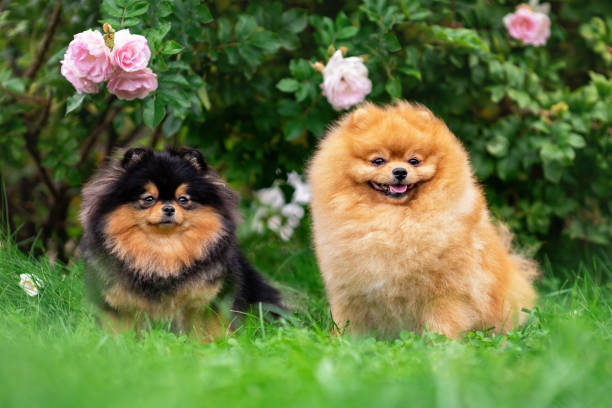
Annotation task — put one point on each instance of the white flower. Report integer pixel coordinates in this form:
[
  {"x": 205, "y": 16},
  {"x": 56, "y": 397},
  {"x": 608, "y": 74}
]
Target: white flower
[
  {"x": 30, "y": 283},
  {"x": 275, "y": 222},
  {"x": 286, "y": 232},
  {"x": 294, "y": 213},
  {"x": 345, "y": 81},
  {"x": 272, "y": 196},
  {"x": 302, "y": 192}
]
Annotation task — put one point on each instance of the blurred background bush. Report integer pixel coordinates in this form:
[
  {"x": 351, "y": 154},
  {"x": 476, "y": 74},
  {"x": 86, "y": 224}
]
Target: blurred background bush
[{"x": 236, "y": 80}]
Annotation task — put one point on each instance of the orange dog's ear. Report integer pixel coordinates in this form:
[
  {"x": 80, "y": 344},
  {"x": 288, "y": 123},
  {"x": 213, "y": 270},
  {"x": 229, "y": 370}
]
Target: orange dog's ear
[
  {"x": 361, "y": 117},
  {"x": 414, "y": 109}
]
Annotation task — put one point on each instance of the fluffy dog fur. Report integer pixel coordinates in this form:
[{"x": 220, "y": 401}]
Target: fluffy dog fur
[
  {"x": 159, "y": 241},
  {"x": 413, "y": 252}
]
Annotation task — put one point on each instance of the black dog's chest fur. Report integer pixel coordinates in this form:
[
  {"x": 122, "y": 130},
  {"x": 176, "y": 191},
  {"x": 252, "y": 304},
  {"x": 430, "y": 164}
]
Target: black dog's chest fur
[{"x": 153, "y": 286}]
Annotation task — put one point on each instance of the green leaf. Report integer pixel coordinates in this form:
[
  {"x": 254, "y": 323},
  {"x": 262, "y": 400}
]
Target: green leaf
[
  {"x": 110, "y": 8},
  {"x": 15, "y": 84},
  {"x": 300, "y": 69},
  {"x": 287, "y": 107},
  {"x": 203, "y": 14},
  {"x": 346, "y": 32},
  {"x": 294, "y": 20},
  {"x": 137, "y": 9},
  {"x": 577, "y": 141},
  {"x": 175, "y": 97},
  {"x": 74, "y": 102},
  {"x": 245, "y": 26},
  {"x": 294, "y": 129},
  {"x": 267, "y": 41},
  {"x": 175, "y": 79},
  {"x": 551, "y": 153},
  {"x": 391, "y": 43},
  {"x": 153, "y": 112},
  {"x": 288, "y": 85},
  {"x": 420, "y": 15},
  {"x": 130, "y": 22},
  {"x": 410, "y": 71},
  {"x": 394, "y": 87},
  {"x": 203, "y": 95},
  {"x": 307, "y": 89},
  {"x": 507, "y": 168},
  {"x": 162, "y": 30},
  {"x": 165, "y": 9},
  {"x": 171, "y": 47},
  {"x": 224, "y": 30},
  {"x": 553, "y": 171},
  {"x": 498, "y": 146}
]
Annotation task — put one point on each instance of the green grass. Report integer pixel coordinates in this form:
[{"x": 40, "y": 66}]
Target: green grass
[{"x": 52, "y": 353}]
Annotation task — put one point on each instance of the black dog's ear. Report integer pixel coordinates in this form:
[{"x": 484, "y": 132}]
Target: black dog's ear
[
  {"x": 133, "y": 156},
  {"x": 194, "y": 157}
]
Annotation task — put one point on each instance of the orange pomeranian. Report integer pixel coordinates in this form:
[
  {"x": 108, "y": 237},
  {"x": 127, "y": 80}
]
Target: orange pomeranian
[{"x": 402, "y": 233}]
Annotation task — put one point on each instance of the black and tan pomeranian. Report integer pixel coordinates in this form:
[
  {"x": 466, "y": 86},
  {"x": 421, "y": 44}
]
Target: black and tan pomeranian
[{"x": 159, "y": 241}]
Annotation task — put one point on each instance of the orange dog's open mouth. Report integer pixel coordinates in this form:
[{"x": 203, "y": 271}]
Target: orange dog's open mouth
[{"x": 392, "y": 190}]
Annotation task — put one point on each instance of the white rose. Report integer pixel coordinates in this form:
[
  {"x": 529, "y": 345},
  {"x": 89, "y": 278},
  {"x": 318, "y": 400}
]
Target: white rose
[
  {"x": 294, "y": 213},
  {"x": 345, "y": 81},
  {"x": 274, "y": 223},
  {"x": 286, "y": 232},
  {"x": 272, "y": 196},
  {"x": 302, "y": 193}
]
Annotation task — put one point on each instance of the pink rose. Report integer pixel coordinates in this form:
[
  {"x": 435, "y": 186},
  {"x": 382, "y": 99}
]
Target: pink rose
[
  {"x": 86, "y": 61},
  {"x": 345, "y": 81},
  {"x": 531, "y": 27},
  {"x": 131, "y": 85},
  {"x": 131, "y": 51},
  {"x": 80, "y": 83}
]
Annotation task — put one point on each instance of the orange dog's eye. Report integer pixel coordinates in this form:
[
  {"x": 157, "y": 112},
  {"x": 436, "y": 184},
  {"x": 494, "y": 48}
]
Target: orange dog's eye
[
  {"x": 148, "y": 200},
  {"x": 379, "y": 161},
  {"x": 414, "y": 161}
]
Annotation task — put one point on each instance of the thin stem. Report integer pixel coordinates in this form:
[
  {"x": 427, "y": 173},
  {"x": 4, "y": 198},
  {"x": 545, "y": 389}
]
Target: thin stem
[{"x": 44, "y": 46}]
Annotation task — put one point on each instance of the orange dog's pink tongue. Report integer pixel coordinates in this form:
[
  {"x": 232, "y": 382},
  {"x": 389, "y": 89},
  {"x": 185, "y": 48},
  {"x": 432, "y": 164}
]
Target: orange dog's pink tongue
[{"x": 398, "y": 188}]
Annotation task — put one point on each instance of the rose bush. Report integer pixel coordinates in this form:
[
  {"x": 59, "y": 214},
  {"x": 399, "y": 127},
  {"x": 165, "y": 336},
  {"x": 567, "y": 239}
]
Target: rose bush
[{"x": 241, "y": 83}]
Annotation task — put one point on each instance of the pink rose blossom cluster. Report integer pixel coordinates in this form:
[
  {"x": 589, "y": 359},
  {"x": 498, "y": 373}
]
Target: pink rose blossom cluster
[
  {"x": 529, "y": 23},
  {"x": 89, "y": 61}
]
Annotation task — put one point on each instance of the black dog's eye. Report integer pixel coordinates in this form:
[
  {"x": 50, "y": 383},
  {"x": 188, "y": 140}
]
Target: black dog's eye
[
  {"x": 414, "y": 161},
  {"x": 148, "y": 201},
  {"x": 182, "y": 200},
  {"x": 379, "y": 161}
]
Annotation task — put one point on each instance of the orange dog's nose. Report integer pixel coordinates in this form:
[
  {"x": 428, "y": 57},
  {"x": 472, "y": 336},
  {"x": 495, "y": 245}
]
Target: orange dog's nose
[{"x": 400, "y": 173}]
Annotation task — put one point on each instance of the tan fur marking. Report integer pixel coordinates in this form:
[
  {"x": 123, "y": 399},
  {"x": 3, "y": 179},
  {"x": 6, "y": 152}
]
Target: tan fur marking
[
  {"x": 161, "y": 251},
  {"x": 151, "y": 189},
  {"x": 181, "y": 191},
  {"x": 189, "y": 307}
]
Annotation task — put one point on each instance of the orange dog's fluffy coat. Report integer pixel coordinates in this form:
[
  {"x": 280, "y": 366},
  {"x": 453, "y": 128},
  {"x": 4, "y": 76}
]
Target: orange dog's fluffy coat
[{"x": 402, "y": 232}]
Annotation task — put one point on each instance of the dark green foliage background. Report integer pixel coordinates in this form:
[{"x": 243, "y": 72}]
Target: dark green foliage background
[{"x": 235, "y": 80}]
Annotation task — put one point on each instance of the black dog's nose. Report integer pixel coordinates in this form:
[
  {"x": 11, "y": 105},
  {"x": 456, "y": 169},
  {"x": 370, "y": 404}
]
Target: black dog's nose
[
  {"x": 400, "y": 173},
  {"x": 168, "y": 210}
]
